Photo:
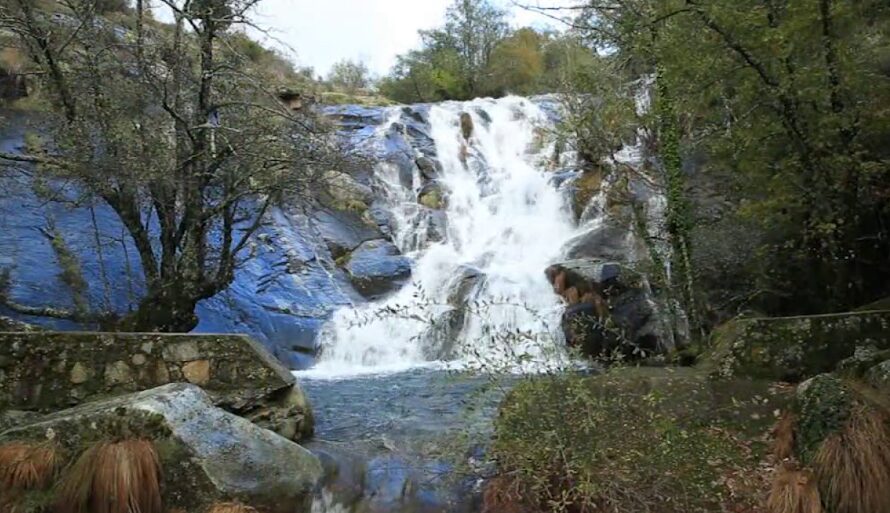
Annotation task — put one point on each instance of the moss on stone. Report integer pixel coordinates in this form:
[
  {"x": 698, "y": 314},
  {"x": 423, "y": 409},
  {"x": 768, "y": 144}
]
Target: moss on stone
[
  {"x": 823, "y": 405},
  {"x": 794, "y": 348}
]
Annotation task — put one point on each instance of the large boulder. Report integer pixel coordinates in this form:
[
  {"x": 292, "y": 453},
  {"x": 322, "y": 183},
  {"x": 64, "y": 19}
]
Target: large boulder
[
  {"x": 49, "y": 371},
  {"x": 796, "y": 348},
  {"x": 205, "y": 454},
  {"x": 377, "y": 268},
  {"x": 610, "y": 307},
  {"x": 445, "y": 329}
]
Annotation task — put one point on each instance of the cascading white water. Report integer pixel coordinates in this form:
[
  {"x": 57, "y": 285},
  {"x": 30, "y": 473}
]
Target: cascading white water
[{"x": 505, "y": 222}]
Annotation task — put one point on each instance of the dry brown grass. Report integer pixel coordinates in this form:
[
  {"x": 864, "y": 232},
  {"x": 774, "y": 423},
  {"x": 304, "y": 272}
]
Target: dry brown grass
[
  {"x": 783, "y": 437},
  {"x": 794, "y": 491},
  {"x": 230, "y": 507},
  {"x": 28, "y": 466},
  {"x": 853, "y": 466},
  {"x": 120, "y": 477}
]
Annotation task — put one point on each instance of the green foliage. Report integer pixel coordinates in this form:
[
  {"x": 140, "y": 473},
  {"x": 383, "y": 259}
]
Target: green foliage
[
  {"x": 782, "y": 106},
  {"x": 632, "y": 440},
  {"x": 349, "y": 76}
]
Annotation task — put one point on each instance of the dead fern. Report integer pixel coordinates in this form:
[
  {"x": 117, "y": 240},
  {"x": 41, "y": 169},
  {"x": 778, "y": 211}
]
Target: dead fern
[
  {"x": 120, "y": 477},
  {"x": 853, "y": 466},
  {"x": 28, "y": 466},
  {"x": 794, "y": 491},
  {"x": 783, "y": 437}
]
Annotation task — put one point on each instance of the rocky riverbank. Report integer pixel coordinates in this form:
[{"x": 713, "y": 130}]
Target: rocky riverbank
[{"x": 165, "y": 422}]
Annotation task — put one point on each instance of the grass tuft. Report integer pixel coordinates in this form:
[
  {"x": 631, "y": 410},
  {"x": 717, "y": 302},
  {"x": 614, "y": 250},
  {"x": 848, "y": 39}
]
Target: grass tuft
[
  {"x": 28, "y": 466},
  {"x": 121, "y": 477},
  {"x": 794, "y": 491},
  {"x": 783, "y": 437},
  {"x": 853, "y": 466}
]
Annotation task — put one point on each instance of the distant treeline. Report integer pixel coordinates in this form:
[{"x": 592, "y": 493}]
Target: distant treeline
[{"x": 476, "y": 53}]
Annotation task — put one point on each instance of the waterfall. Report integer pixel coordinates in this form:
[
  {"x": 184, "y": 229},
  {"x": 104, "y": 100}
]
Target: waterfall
[{"x": 479, "y": 295}]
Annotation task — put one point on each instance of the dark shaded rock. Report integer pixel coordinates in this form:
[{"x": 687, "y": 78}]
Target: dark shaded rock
[
  {"x": 206, "y": 454},
  {"x": 354, "y": 117},
  {"x": 430, "y": 168},
  {"x": 465, "y": 285},
  {"x": 611, "y": 307},
  {"x": 463, "y": 288},
  {"x": 343, "y": 231},
  {"x": 795, "y": 348},
  {"x": 12, "y": 86},
  {"x": 50, "y": 371},
  {"x": 377, "y": 268},
  {"x": 436, "y": 225},
  {"x": 608, "y": 240},
  {"x": 466, "y": 125},
  {"x": 8, "y": 324},
  {"x": 483, "y": 115}
]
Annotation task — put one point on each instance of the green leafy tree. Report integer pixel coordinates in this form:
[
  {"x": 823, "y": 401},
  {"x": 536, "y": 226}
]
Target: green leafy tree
[
  {"x": 350, "y": 76},
  {"x": 517, "y": 63}
]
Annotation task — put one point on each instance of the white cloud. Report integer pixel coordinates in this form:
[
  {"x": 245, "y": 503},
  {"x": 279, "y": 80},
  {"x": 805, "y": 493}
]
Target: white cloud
[{"x": 319, "y": 33}]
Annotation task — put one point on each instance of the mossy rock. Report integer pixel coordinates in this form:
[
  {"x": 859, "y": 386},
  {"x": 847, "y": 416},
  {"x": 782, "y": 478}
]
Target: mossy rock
[
  {"x": 586, "y": 186},
  {"x": 432, "y": 196},
  {"x": 666, "y": 436},
  {"x": 205, "y": 454},
  {"x": 794, "y": 348},
  {"x": 879, "y": 376},
  {"x": 823, "y": 406}
]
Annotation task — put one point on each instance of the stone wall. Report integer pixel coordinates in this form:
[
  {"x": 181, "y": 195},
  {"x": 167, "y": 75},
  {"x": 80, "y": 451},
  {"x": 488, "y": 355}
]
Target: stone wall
[
  {"x": 49, "y": 371},
  {"x": 795, "y": 348}
]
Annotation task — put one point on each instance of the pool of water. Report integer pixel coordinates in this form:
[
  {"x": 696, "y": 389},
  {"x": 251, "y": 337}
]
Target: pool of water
[{"x": 406, "y": 441}]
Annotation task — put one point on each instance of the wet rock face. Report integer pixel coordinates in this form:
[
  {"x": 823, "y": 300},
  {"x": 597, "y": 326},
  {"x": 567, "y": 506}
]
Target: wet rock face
[
  {"x": 49, "y": 371},
  {"x": 377, "y": 268},
  {"x": 206, "y": 454},
  {"x": 610, "y": 307}
]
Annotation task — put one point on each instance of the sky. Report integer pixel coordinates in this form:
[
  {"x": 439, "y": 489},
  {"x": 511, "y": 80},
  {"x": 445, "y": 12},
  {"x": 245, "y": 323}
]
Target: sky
[{"x": 318, "y": 33}]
